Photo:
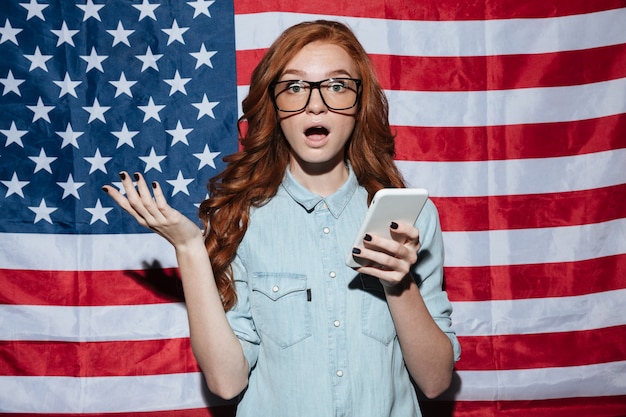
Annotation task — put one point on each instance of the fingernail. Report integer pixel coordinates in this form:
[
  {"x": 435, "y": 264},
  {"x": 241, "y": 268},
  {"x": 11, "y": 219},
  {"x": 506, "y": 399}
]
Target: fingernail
[
  {"x": 154, "y": 184},
  {"x": 136, "y": 175},
  {"x": 393, "y": 225},
  {"x": 367, "y": 237},
  {"x": 122, "y": 176},
  {"x": 356, "y": 251},
  {"x": 105, "y": 189}
]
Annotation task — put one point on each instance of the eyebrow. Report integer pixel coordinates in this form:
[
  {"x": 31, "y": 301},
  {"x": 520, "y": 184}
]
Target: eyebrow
[{"x": 334, "y": 73}]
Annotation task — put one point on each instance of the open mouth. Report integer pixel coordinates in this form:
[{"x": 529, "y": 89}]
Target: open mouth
[{"x": 316, "y": 131}]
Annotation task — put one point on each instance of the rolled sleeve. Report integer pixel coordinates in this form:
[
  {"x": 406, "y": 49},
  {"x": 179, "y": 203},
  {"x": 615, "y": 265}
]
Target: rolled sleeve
[
  {"x": 428, "y": 273},
  {"x": 240, "y": 316}
]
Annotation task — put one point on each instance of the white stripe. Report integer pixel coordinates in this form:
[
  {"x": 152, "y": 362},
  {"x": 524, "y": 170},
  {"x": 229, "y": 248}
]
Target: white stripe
[
  {"x": 163, "y": 321},
  {"x": 517, "y": 176},
  {"x": 507, "y": 107},
  {"x": 463, "y": 249},
  {"x": 85, "y": 252},
  {"x": 598, "y": 380},
  {"x": 93, "y": 324},
  {"x": 104, "y": 394},
  {"x": 501, "y": 107},
  {"x": 535, "y": 246},
  {"x": 450, "y": 38},
  {"x": 544, "y": 315}
]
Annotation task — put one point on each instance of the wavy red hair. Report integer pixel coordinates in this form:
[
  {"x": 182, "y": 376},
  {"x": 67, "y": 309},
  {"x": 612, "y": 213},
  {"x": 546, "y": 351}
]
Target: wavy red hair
[{"x": 253, "y": 175}]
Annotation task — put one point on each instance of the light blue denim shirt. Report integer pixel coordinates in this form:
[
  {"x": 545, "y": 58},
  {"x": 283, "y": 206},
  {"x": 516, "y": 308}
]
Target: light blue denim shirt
[{"x": 319, "y": 337}]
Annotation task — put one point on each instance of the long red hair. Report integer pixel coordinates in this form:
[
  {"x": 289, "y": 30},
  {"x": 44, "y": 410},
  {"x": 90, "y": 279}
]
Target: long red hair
[{"x": 253, "y": 175}]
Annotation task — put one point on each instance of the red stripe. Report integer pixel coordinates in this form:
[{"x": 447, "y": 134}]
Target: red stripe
[
  {"x": 485, "y": 143},
  {"x": 173, "y": 356},
  {"x": 504, "y": 71},
  {"x": 517, "y": 282},
  {"x": 545, "y": 350},
  {"x": 90, "y": 288},
  {"x": 613, "y": 406},
  {"x": 223, "y": 411},
  {"x": 90, "y": 359},
  {"x": 526, "y": 211},
  {"x": 433, "y": 10},
  {"x": 468, "y": 73}
]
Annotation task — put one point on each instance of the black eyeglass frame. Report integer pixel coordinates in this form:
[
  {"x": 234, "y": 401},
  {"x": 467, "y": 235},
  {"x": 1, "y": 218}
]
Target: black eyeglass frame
[{"x": 316, "y": 85}]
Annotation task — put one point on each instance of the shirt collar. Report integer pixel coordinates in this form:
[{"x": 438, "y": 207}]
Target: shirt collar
[{"x": 335, "y": 202}]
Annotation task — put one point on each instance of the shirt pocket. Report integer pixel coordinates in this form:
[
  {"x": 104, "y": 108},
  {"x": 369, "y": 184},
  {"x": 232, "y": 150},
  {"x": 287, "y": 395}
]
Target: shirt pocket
[
  {"x": 280, "y": 307},
  {"x": 376, "y": 320}
]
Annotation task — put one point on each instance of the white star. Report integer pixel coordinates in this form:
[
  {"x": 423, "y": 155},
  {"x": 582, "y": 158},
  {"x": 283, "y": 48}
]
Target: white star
[
  {"x": 37, "y": 60},
  {"x": 151, "y": 110},
  {"x": 203, "y": 57},
  {"x": 14, "y": 135},
  {"x": 120, "y": 35},
  {"x": 91, "y": 10},
  {"x": 34, "y": 9},
  {"x": 43, "y": 212},
  {"x": 175, "y": 33},
  {"x": 146, "y": 9},
  {"x": 149, "y": 60},
  {"x": 99, "y": 213},
  {"x": 177, "y": 84},
  {"x": 68, "y": 86},
  {"x": 180, "y": 184},
  {"x": 201, "y": 7},
  {"x": 70, "y": 187},
  {"x": 42, "y": 161},
  {"x": 206, "y": 157},
  {"x": 11, "y": 84},
  {"x": 69, "y": 137},
  {"x": 94, "y": 60},
  {"x": 179, "y": 134},
  {"x": 96, "y": 111},
  {"x": 41, "y": 111},
  {"x": 9, "y": 33},
  {"x": 125, "y": 136},
  {"x": 205, "y": 107},
  {"x": 123, "y": 86},
  {"x": 153, "y": 161},
  {"x": 97, "y": 162},
  {"x": 65, "y": 35},
  {"x": 15, "y": 186}
]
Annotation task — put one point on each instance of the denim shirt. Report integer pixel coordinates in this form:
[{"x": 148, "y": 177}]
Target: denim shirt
[{"x": 318, "y": 336}]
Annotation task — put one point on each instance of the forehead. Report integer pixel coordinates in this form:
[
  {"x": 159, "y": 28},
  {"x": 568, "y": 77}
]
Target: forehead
[{"x": 319, "y": 60}]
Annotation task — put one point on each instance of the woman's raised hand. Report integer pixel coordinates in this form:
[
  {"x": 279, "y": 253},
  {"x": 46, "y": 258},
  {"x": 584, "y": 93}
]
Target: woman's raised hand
[
  {"x": 391, "y": 259},
  {"x": 151, "y": 210}
]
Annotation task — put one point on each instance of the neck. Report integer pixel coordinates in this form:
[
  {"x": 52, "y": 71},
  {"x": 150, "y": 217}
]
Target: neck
[{"x": 320, "y": 179}]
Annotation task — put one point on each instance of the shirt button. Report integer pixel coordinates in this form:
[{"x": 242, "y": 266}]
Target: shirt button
[
  {"x": 326, "y": 230},
  {"x": 333, "y": 274},
  {"x": 275, "y": 288},
  {"x": 336, "y": 323},
  {"x": 339, "y": 374}
]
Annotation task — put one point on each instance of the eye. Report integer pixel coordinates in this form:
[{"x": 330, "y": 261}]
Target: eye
[
  {"x": 336, "y": 86},
  {"x": 295, "y": 87}
]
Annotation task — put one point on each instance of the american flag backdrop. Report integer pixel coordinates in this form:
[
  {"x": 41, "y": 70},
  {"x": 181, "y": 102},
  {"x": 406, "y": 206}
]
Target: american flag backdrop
[{"x": 511, "y": 113}]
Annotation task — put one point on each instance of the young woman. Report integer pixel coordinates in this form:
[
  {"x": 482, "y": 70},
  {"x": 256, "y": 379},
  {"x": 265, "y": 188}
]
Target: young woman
[{"x": 276, "y": 317}]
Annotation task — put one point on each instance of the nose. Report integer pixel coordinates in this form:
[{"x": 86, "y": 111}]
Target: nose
[{"x": 316, "y": 103}]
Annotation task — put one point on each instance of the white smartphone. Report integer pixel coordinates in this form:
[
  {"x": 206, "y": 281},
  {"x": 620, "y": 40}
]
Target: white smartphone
[{"x": 389, "y": 204}]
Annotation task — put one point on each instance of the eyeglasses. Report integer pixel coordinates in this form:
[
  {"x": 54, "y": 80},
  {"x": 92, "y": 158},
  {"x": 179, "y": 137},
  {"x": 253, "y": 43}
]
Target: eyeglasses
[{"x": 337, "y": 93}]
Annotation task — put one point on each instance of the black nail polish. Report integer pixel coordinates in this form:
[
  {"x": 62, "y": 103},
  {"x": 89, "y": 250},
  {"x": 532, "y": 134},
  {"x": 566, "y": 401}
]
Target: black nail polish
[
  {"x": 367, "y": 237},
  {"x": 154, "y": 184},
  {"x": 105, "y": 189},
  {"x": 393, "y": 225},
  {"x": 356, "y": 251},
  {"x": 122, "y": 176},
  {"x": 136, "y": 176}
]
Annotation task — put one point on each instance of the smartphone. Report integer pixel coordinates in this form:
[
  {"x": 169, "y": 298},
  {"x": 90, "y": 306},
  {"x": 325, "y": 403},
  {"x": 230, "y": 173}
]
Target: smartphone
[{"x": 389, "y": 204}]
